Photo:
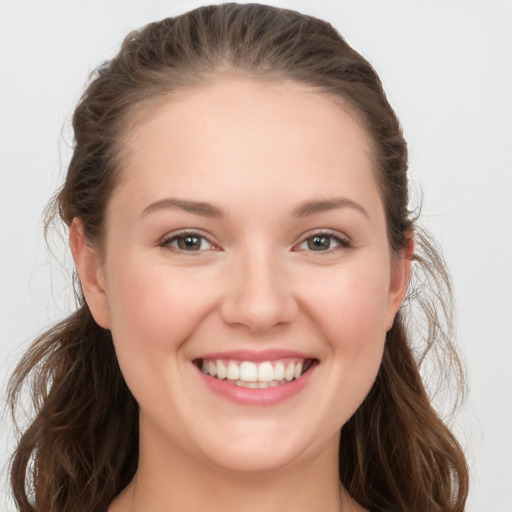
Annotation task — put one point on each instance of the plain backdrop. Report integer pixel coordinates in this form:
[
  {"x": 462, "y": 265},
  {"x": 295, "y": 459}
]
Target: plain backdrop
[{"x": 447, "y": 68}]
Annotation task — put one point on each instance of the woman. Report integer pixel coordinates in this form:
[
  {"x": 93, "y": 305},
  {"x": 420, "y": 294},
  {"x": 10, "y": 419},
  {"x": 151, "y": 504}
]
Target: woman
[{"x": 237, "y": 207}]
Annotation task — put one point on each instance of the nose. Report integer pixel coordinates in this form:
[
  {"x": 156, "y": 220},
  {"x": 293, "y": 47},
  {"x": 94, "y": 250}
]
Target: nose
[{"x": 258, "y": 296}]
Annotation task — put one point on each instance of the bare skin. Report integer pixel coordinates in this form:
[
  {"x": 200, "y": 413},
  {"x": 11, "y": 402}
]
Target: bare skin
[
  {"x": 301, "y": 489},
  {"x": 247, "y": 218}
]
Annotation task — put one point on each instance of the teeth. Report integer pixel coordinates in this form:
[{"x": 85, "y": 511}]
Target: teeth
[
  {"x": 288, "y": 373},
  {"x": 233, "y": 371},
  {"x": 279, "y": 371},
  {"x": 222, "y": 371},
  {"x": 255, "y": 385},
  {"x": 212, "y": 368},
  {"x": 298, "y": 370},
  {"x": 265, "y": 372},
  {"x": 248, "y": 372},
  {"x": 254, "y": 375}
]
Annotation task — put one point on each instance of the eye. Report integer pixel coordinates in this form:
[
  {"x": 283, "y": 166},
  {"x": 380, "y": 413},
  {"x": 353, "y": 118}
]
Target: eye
[
  {"x": 188, "y": 242},
  {"x": 323, "y": 242}
]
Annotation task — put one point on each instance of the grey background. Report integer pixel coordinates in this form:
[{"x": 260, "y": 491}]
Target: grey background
[{"x": 447, "y": 69}]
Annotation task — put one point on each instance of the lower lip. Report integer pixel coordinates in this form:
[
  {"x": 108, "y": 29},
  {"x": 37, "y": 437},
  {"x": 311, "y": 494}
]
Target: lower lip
[{"x": 250, "y": 396}]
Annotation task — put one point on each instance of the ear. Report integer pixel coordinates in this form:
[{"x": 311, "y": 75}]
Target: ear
[
  {"x": 90, "y": 272},
  {"x": 399, "y": 280}
]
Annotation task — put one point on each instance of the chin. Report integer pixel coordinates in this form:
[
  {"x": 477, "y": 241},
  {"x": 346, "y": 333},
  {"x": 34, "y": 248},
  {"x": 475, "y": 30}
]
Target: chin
[
  {"x": 252, "y": 459},
  {"x": 258, "y": 448}
]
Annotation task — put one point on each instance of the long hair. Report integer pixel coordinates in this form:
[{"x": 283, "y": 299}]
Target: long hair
[{"x": 81, "y": 448}]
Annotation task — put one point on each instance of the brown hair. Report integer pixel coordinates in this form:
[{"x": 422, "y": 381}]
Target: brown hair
[{"x": 81, "y": 449}]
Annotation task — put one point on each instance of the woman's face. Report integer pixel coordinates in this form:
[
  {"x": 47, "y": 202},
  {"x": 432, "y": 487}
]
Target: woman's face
[{"x": 246, "y": 246}]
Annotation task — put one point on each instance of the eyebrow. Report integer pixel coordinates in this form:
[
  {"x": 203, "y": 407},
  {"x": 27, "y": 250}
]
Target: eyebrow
[
  {"x": 196, "y": 207},
  {"x": 322, "y": 205},
  {"x": 209, "y": 210}
]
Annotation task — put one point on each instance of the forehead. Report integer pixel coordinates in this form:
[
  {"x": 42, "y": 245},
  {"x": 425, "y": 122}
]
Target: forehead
[{"x": 246, "y": 135}]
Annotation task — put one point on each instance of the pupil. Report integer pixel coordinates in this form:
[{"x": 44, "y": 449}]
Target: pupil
[
  {"x": 189, "y": 243},
  {"x": 318, "y": 243}
]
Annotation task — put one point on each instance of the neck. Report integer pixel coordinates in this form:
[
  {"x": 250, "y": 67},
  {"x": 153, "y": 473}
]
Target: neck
[{"x": 168, "y": 480}]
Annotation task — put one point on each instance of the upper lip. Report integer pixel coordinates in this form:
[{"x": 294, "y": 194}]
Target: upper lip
[{"x": 257, "y": 355}]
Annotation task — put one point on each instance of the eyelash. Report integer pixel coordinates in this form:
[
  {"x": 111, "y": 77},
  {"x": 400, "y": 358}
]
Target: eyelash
[
  {"x": 341, "y": 242},
  {"x": 166, "y": 242}
]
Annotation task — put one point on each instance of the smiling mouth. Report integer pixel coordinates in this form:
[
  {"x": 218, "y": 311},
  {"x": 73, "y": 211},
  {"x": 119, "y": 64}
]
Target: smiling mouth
[{"x": 258, "y": 375}]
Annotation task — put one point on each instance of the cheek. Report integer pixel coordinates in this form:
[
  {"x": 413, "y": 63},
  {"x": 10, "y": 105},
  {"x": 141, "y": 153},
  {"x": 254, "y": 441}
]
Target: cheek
[
  {"x": 351, "y": 309},
  {"x": 156, "y": 308},
  {"x": 351, "y": 315},
  {"x": 153, "y": 312}
]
